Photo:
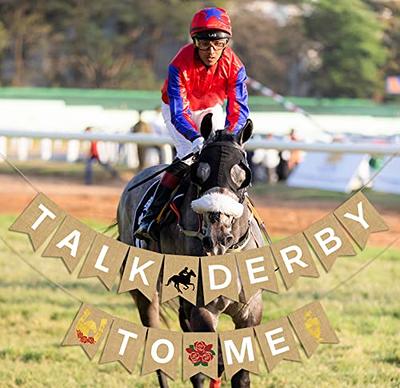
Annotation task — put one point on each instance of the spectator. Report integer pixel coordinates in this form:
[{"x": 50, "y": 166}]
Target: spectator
[
  {"x": 295, "y": 155},
  {"x": 145, "y": 153},
  {"x": 95, "y": 157}
]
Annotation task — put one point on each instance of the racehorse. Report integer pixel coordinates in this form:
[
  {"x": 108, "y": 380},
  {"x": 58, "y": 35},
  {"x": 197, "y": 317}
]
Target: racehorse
[
  {"x": 182, "y": 279},
  {"x": 215, "y": 202}
]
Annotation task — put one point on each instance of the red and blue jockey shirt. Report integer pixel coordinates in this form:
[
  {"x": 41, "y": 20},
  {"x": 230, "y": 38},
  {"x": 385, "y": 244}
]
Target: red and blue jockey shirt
[{"x": 192, "y": 86}]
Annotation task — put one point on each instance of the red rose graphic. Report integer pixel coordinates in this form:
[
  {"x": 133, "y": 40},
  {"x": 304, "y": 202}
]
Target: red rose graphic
[
  {"x": 194, "y": 357},
  {"x": 200, "y": 353},
  {"x": 206, "y": 357},
  {"x": 200, "y": 346}
]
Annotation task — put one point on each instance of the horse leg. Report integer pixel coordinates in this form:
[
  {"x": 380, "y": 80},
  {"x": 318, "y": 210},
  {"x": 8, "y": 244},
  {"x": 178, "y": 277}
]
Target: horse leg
[
  {"x": 248, "y": 316},
  {"x": 177, "y": 287},
  {"x": 150, "y": 316}
]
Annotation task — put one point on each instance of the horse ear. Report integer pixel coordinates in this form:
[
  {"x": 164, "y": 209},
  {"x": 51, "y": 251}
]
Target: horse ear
[
  {"x": 245, "y": 133},
  {"x": 206, "y": 126}
]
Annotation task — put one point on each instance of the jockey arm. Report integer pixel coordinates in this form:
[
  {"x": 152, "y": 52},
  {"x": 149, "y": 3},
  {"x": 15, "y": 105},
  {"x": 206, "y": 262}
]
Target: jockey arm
[
  {"x": 179, "y": 105},
  {"x": 237, "y": 109}
]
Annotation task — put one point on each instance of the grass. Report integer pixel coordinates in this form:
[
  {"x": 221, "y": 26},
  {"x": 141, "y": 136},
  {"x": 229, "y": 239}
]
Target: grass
[{"x": 34, "y": 318}]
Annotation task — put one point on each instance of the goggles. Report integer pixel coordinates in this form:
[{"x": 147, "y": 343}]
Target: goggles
[{"x": 217, "y": 45}]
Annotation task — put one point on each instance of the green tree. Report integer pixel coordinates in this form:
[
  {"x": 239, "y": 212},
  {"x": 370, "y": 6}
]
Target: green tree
[
  {"x": 269, "y": 49},
  {"x": 389, "y": 15},
  {"x": 349, "y": 40},
  {"x": 26, "y": 30}
]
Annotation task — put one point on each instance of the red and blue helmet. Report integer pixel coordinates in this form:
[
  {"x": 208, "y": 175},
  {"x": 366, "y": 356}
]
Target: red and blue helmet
[{"x": 211, "y": 23}]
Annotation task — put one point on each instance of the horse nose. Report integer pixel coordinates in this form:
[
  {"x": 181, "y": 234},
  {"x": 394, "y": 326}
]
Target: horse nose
[
  {"x": 207, "y": 243},
  {"x": 226, "y": 241}
]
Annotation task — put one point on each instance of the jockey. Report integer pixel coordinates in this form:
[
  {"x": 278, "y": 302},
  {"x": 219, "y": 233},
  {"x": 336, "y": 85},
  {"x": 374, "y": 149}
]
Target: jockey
[{"x": 201, "y": 77}]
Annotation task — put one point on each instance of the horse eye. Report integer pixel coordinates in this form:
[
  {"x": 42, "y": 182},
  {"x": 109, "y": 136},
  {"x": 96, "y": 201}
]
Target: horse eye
[
  {"x": 203, "y": 171},
  {"x": 238, "y": 175}
]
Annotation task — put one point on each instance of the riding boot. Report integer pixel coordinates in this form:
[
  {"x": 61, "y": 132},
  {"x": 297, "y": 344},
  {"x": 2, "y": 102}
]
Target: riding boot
[{"x": 149, "y": 227}]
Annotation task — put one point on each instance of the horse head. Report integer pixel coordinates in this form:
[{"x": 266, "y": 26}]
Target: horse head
[{"x": 222, "y": 175}]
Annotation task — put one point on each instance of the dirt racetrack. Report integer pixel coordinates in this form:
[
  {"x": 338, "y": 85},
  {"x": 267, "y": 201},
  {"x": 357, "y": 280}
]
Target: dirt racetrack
[{"x": 282, "y": 217}]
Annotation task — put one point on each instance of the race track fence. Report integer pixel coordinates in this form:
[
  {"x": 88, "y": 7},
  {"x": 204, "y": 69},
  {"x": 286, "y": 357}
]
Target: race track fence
[{"x": 152, "y": 140}]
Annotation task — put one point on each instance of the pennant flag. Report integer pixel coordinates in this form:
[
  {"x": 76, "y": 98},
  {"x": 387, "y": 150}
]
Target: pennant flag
[
  {"x": 70, "y": 242},
  {"x": 294, "y": 259},
  {"x": 141, "y": 272},
  {"x": 257, "y": 271},
  {"x": 312, "y": 327},
  {"x": 360, "y": 218},
  {"x": 329, "y": 241},
  {"x": 39, "y": 220},
  {"x": 180, "y": 278},
  {"x": 239, "y": 351},
  {"x": 124, "y": 343},
  {"x": 219, "y": 276},
  {"x": 88, "y": 329},
  {"x": 200, "y": 354},
  {"x": 162, "y": 351},
  {"x": 104, "y": 259},
  {"x": 277, "y": 342}
]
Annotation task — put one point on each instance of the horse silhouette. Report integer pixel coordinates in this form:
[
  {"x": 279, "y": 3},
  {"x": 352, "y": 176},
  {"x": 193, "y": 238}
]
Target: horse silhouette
[{"x": 183, "y": 278}]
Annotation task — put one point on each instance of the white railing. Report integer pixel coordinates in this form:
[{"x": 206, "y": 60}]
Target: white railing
[{"x": 148, "y": 139}]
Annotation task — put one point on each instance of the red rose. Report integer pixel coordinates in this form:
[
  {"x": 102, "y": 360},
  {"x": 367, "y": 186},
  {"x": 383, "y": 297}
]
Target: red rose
[
  {"x": 200, "y": 346},
  {"x": 84, "y": 339},
  {"x": 91, "y": 340},
  {"x": 207, "y": 357},
  {"x": 194, "y": 357}
]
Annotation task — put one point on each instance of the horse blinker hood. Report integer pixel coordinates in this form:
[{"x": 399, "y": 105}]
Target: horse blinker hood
[{"x": 221, "y": 157}]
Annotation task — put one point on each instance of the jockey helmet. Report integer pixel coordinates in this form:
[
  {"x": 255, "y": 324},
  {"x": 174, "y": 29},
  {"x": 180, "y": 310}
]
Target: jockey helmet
[{"x": 211, "y": 24}]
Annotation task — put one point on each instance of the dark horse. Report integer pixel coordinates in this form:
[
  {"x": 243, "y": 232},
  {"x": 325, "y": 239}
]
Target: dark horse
[
  {"x": 183, "y": 279},
  {"x": 215, "y": 203}
]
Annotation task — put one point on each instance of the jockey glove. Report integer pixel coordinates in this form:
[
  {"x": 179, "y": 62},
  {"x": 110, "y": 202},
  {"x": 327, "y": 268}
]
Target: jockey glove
[{"x": 197, "y": 144}]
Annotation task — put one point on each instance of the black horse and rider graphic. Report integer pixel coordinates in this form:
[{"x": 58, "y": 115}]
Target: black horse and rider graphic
[{"x": 182, "y": 278}]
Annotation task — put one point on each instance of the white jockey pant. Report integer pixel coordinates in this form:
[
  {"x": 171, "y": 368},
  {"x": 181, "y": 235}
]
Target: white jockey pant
[{"x": 182, "y": 145}]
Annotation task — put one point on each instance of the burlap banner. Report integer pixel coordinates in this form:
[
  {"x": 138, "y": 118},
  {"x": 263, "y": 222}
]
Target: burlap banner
[
  {"x": 312, "y": 327},
  {"x": 124, "y": 343},
  {"x": 219, "y": 277},
  {"x": 199, "y": 350},
  {"x": 294, "y": 259},
  {"x": 327, "y": 237},
  {"x": 88, "y": 329},
  {"x": 360, "y": 218},
  {"x": 104, "y": 259},
  {"x": 200, "y": 354},
  {"x": 257, "y": 271},
  {"x": 70, "y": 242},
  {"x": 329, "y": 241},
  {"x": 277, "y": 342},
  {"x": 39, "y": 220},
  {"x": 180, "y": 278},
  {"x": 142, "y": 270},
  {"x": 239, "y": 351},
  {"x": 162, "y": 351}
]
